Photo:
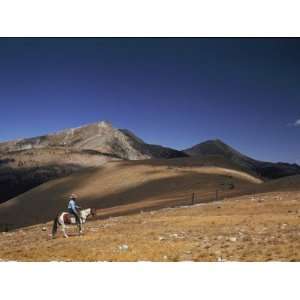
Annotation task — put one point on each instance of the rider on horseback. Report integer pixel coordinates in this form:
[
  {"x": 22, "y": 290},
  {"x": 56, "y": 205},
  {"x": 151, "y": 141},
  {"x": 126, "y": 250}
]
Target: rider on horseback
[{"x": 73, "y": 209}]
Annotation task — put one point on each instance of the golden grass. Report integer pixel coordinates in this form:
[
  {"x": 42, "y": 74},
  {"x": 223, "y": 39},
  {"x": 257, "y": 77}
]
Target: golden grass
[{"x": 264, "y": 227}]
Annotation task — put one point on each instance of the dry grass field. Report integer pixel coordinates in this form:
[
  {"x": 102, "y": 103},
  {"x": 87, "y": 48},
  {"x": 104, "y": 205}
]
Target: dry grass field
[{"x": 260, "y": 227}]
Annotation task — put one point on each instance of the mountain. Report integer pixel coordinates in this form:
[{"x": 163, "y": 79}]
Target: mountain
[
  {"x": 261, "y": 168},
  {"x": 26, "y": 163},
  {"x": 101, "y": 137},
  {"x": 150, "y": 150}
]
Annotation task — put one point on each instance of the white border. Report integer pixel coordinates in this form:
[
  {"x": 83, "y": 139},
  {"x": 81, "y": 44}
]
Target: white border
[
  {"x": 149, "y": 18},
  {"x": 150, "y": 281}
]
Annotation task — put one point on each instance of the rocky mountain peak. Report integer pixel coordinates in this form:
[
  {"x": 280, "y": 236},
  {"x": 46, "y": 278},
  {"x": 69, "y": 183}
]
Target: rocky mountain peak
[{"x": 99, "y": 136}]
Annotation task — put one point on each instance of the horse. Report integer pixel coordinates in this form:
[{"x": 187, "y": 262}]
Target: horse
[{"x": 66, "y": 218}]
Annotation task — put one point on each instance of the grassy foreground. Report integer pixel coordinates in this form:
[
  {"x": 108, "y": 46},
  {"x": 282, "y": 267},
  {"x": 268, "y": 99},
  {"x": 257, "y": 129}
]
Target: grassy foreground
[{"x": 264, "y": 227}]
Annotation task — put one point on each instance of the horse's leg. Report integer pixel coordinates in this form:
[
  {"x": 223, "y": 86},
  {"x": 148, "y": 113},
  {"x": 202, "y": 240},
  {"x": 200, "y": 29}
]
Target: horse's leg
[
  {"x": 63, "y": 228},
  {"x": 80, "y": 228},
  {"x": 79, "y": 223},
  {"x": 54, "y": 227}
]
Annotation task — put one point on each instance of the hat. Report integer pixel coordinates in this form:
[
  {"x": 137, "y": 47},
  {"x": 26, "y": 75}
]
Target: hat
[{"x": 73, "y": 196}]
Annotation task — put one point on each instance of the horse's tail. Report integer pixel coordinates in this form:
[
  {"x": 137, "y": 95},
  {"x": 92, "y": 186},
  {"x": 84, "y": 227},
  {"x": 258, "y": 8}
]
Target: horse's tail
[{"x": 55, "y": 223}]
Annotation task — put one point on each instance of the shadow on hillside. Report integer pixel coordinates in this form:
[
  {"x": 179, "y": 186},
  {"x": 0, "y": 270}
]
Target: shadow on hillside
[
  {"x": 172, "y": 190},
  {"x": 24, "y": 211},
  {"x": 14, "y": 182},
  {"x": 159, "y": 193},
  {"x": 190, "y": 162}
]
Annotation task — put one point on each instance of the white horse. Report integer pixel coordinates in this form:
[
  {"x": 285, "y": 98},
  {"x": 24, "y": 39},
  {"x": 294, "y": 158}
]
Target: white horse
[{"x": 66, "y": 218}]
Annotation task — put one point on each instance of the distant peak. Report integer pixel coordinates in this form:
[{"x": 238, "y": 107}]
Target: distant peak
[
  {"x": 217, "y": 141},
  {"x": 104, "y": 124}
]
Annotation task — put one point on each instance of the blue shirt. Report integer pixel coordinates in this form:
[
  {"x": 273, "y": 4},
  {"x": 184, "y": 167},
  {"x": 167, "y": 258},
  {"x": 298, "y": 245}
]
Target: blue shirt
[{"x": 72, "y": 205}]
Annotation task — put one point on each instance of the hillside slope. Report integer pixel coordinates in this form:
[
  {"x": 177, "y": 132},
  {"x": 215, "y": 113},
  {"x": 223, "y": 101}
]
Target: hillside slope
[
  {"x": 22, "y": 170},
  {"x": 128, "y": 185}
]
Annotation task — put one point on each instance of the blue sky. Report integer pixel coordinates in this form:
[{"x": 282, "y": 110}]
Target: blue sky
[{"x": 173, "y": 92}]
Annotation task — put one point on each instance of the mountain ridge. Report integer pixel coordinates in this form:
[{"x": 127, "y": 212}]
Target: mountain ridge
[
  {"x": 100, "y": 136},
  {"x": 264, "y": 169},
  {"x": 26, "y": 163}
]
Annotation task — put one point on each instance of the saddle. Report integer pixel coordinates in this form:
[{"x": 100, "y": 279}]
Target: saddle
[{"x": 70, "y": 218}]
